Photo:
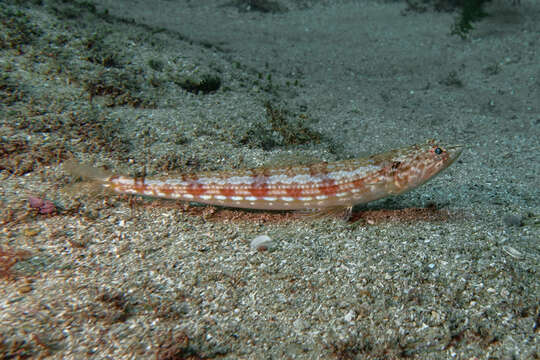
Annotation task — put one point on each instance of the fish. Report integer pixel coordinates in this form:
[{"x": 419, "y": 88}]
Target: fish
[{"x": 320, "y": 186}]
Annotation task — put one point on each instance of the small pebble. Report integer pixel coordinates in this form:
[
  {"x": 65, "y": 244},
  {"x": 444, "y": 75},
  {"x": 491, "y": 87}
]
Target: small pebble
[
  {"x": 42, "y": 205},
  {"x": 30, "y": 232},
  {"x": 513, "y": 252},
  {"x": 35, "y": 202},
  {"x": 350, "y": 316},
  {"x": 301, "y": 325},
  {"x": 25, "y": 289},
  {"x": 513, "y": 220},
  {"x": 262, "y": 243}
]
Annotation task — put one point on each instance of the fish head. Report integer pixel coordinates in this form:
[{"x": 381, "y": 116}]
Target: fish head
[{"x": 415, "y": 165}]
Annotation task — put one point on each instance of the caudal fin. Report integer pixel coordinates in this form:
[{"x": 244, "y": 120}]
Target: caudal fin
[{"x": 86, "y": 172}]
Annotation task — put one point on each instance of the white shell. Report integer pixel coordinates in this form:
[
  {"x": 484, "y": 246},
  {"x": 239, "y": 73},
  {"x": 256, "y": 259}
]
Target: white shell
[
  {"x": 261, "y": 243},
  {"x": 513, "y": 252}
]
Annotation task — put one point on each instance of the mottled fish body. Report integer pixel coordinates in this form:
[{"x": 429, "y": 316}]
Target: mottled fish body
[{"x": 318, "y": 186}]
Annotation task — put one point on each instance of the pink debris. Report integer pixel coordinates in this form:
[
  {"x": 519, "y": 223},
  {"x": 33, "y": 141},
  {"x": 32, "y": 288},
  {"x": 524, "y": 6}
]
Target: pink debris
[
  {"x": 35, "y": 202},
  {"x": 42, "y": 205}
]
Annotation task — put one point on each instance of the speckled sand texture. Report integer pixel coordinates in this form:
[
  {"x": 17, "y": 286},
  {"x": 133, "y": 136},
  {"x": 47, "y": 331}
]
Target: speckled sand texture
[{"x": 449, "y": 270}]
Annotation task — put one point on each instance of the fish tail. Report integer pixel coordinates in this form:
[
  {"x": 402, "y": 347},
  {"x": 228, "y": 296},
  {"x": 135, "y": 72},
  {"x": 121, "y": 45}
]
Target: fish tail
[{"x": 87, "y": 172}]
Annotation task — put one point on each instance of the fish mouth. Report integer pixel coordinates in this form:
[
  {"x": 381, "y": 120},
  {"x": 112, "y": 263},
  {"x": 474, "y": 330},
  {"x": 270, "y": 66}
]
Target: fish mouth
[{"x": 454, "y": 151}]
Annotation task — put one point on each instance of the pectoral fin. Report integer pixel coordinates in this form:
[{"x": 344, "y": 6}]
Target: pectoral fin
[{"x": 341, "y": 212}]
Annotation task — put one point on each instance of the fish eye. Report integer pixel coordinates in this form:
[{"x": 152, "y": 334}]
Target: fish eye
[{"x": 438, "y": 151}]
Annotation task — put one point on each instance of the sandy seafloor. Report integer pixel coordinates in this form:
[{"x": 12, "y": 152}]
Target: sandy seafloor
[{"x": 449, "y": 270}]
